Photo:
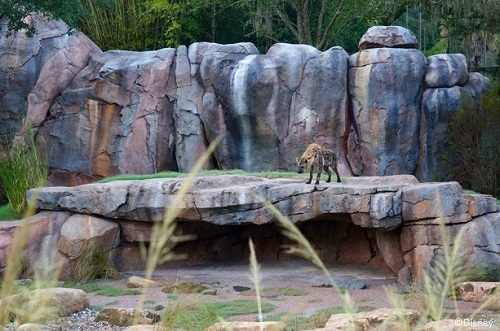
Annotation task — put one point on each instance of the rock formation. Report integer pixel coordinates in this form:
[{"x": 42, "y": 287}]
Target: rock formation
[
  {"x": 392, "y": 222},
  {"x": 383, "y": 109}
]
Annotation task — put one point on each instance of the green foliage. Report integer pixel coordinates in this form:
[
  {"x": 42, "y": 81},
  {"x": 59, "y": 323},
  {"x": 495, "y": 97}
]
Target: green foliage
[
  {"x": 285, "y": 291},
  {"x": 189, "y": 317},
  {"x": 480, "y": 273},
  {"x": 103, "y": 290},
  {"x": 94, "y": 263},
  {"x": 16, "y": 10},
  {"x": 140, "y": 24},
  {"x": 172, "y": 174},
  {"x": 6, "y": 213},
  {"x": 472, "y": 156},
  {"x": 184, "y": 288},
  {"x": 22, "y": 170},
  {"x": 239, "y": 307}
]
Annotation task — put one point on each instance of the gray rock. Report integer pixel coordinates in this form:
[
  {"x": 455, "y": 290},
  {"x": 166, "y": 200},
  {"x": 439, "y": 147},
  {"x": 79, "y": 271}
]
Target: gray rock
[
  {"x": 388, "y": 36},
  {"x": 386, "y": 89},
  {"x": 446, "y": 70}
]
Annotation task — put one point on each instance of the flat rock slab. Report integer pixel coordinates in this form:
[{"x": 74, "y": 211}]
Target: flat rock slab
[{"x": 370, "y": 202}]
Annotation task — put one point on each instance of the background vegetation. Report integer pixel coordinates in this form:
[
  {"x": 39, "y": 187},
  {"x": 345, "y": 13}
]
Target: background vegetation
[
  {"x": 472, "y": 154},
  {"x": 466, "y": 26}
]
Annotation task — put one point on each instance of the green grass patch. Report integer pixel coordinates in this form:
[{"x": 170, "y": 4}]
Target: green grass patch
[
  {"x": 190, "y": 316},
  {"x": 171, "y": 174},
  {"x": 7, "y": 213},
  {"x": 284, "y": 291},
  {"x": 111, "y": 303},
  {"x": 239, "y": 307},
  {"x": 103, "y": 290},
  {"x": 184, "y": 288},
  {"x": 22, "y": 169}
]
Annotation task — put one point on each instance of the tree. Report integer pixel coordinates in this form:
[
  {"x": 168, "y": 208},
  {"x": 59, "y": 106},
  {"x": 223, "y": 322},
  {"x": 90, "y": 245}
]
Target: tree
[
  {"x": 469, "y": 24},
  {"x": 17, "y": 11},
  {"x": 317, "y": 22}
]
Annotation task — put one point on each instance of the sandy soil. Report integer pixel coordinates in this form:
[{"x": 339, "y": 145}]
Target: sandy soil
[{"x": 293, "y": 274}]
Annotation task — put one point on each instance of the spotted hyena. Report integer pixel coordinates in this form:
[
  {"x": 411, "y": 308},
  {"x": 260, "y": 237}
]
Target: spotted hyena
[{"x": 323, "y": 158}]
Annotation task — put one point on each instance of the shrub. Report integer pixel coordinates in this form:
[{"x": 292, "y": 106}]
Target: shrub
[
  {"x": 20, "y": 170},
  {"x": 472, "y": 156},
  {"x": 94, "y": 263}
]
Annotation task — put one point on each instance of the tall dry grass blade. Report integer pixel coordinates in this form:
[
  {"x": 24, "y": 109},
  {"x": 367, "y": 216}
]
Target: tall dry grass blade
[
  {"x": 163, "y": 239},
  {"x": 255, "y": 272},
  {"x": 15, "y": 264},
  {"x": 303, "y": 248}
]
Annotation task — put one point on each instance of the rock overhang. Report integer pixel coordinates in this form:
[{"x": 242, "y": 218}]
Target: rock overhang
[{"x": 371, "y": 202}]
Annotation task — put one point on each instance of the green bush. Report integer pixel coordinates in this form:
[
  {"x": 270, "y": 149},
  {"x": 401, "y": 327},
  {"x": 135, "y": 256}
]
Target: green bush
[
  {"x": 95, "y": 263},
  {"x": 472, "y": 155},
  {"x": 20, "y": 170}
]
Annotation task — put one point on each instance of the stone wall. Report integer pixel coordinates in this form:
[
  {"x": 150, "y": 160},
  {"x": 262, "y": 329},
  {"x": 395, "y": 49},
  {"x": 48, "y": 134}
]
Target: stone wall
[{"x": 383, "y": 109}]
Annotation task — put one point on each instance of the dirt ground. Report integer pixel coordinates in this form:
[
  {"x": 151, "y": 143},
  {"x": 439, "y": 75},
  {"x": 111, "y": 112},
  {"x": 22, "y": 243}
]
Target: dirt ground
[{"x": 291, "y": 274}]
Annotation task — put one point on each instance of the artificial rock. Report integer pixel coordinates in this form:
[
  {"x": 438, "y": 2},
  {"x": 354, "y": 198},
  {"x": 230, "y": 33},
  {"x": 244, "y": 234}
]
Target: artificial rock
[
  {"x": 393, "y": 222},
  {"x": 383, "y": 110}
]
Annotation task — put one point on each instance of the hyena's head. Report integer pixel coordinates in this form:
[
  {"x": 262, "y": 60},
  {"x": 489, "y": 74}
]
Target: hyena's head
[{"x": 302, "y": 163}]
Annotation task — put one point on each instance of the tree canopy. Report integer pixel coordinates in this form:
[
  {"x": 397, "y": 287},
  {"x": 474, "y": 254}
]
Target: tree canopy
[{"x": 154, "y": 24}]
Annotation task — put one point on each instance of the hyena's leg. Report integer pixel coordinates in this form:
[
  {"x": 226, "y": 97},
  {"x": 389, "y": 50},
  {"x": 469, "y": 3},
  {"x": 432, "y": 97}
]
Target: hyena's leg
[
  {"x": 320, "y": 168},
  {"x": 336, "y": 171},
  {"x": 328, "y": 170},
  {"x": 310, "y": 174}
]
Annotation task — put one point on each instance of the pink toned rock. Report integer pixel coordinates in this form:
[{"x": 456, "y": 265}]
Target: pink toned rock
[
  {"x": 42, "y": 255},
  {"x": 80, "y": 232},
  {"x": 389, "y": 246},
  {"x": 478, "y": 291},
  {"x": 386, "y": 318}
]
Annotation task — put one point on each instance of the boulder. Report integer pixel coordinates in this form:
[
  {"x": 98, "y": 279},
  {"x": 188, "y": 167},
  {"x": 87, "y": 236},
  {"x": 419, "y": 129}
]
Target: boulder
[
  {"x": 386, "y": 93},
  {"x": 481, "y": 241},
  {"x": 388, "y": 36},
  {"x": 39, "y": 305},
  {"x": 247, "y": 326},
  {"x": 139, "y": 282},
  {"x": 477, "y": 84},
  {"x": 80, "y": 232},
  {"x": 446, "y": 70},
  {"x": 126, "y": 316},
  {"x": 478, "y": 291},
  {"x": 382, "y": 318},
  {"x": 438, "y": 107},
  {"x": 42, "y": 255}
]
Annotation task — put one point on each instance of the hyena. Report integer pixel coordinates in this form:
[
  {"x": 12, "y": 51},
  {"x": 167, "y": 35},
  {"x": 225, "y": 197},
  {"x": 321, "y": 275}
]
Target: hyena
[{"x": 323, "y": 158}]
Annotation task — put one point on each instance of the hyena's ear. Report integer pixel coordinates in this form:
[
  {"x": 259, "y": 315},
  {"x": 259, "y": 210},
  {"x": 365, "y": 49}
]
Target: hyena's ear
[{"x": 297, "y": 160}]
